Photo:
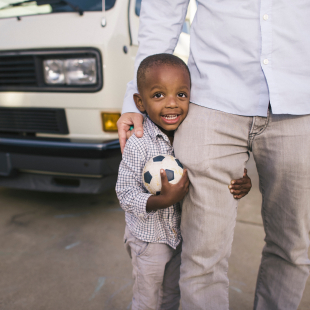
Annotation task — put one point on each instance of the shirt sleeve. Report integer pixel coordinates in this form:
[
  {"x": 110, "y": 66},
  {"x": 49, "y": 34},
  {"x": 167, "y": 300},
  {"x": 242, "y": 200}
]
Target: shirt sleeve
[
  {"x": 161, "y": 23},
  {"x": 130, "y": 191}
]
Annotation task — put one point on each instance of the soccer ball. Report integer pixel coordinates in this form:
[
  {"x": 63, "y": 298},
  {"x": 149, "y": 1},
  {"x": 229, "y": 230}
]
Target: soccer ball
[{"x": 151, "y": 172}]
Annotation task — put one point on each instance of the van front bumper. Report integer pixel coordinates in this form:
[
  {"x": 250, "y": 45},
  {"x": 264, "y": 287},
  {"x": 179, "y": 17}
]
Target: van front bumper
[{"x": 25, "y": 160}]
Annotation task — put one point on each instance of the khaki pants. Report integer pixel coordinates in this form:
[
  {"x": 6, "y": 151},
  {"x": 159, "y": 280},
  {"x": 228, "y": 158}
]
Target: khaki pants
[
  {"x": 156, "y": 273},
  {"x": 214, "y": 146}
]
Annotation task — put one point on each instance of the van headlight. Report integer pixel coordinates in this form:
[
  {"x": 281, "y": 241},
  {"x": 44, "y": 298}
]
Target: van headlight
[
  {"x": 54, "y": 71},
  {"x": 79, "y": 71}
]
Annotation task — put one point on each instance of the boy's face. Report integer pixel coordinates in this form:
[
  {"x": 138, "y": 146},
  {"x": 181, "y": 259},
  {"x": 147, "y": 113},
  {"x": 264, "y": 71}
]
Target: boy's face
[{"x": 165, "y": 96}]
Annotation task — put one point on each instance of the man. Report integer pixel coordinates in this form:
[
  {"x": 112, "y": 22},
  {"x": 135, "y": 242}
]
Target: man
[{"x": 250, "y": 69}]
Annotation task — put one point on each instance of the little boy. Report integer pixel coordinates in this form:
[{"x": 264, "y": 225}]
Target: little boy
[{"x": 152, "y": 234}]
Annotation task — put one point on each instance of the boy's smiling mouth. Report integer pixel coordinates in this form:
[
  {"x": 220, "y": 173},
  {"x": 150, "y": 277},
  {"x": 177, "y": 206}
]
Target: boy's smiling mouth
[{"x": 170, "y": 118}]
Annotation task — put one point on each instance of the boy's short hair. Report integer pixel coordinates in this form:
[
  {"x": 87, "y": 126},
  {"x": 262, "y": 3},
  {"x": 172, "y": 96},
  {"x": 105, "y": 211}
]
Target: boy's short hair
[{"x": 158, "y": 60}]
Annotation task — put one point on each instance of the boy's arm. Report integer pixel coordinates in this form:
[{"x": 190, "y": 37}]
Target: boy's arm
[
  {"x": 161, "y": 23},
  {"x": 132, "y": 195}
]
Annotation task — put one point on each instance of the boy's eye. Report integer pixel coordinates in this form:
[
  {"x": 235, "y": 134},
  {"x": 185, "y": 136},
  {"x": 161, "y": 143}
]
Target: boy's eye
[
  {"x": 182, "y": 95},
  {"x": 158, "y": 95}
]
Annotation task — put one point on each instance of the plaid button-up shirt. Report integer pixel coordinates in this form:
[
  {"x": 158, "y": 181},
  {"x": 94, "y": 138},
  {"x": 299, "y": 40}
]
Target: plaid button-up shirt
[{"x": 163, "y": 225}]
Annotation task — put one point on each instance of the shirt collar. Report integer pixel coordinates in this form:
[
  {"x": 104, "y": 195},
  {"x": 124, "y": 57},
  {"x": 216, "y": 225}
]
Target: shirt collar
[{"x": 153, "y": 130}]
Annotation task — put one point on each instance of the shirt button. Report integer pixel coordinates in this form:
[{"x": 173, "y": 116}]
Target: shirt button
[
  {"x": 266, "y": 61},
  {"x": 265, "y": 17}
]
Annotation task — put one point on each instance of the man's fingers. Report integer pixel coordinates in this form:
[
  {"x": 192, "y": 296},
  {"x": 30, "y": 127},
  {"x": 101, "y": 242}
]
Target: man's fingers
[
  {"x": 137, "y": 124},
  {"x": 122, "y": 138},
  {"x": 123, "y": 125},
  {"x": 129, "y": 133}
]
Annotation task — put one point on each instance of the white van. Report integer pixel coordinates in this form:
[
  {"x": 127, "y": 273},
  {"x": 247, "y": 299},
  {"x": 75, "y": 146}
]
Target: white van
[{"x": 64, "y": 66}]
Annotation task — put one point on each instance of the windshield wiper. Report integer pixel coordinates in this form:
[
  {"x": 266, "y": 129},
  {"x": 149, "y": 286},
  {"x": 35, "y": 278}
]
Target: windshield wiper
[{"x": 43, "y": 2}]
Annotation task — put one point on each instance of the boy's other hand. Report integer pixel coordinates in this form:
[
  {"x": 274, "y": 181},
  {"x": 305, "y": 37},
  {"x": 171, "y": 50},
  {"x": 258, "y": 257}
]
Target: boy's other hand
[
  {"x": 169, "y": 194},
  {"x": 123, "y": 125},
  {"x": 173, "y": 193},
  {"x": 241, "y": 187}
]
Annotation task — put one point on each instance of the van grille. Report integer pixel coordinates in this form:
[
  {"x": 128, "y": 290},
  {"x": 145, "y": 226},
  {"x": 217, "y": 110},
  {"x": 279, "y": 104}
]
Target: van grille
[
  {"x": 33, "y": 120},
  {"x": 17, "y": 71}
]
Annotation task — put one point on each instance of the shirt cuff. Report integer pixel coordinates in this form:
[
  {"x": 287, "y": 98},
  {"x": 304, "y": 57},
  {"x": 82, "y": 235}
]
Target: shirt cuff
[{"x": 141, "y": 209}]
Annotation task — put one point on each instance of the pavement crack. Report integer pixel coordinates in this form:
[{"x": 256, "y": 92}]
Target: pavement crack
[{"x": 22, "y": 219}]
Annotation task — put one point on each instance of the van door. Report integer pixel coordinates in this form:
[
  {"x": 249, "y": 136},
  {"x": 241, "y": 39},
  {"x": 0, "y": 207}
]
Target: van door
[{"x": 134, "y": 7}]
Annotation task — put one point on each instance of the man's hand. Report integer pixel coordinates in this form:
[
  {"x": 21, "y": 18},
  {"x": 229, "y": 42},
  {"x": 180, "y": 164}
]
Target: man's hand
[
  {"x": 123, "y": 125},
  {"x": 170, "y": 193},
  {"x": 241, "y": 187}
]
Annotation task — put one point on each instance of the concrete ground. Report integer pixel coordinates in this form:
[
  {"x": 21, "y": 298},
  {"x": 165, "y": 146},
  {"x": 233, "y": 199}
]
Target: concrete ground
[{"x": 61, "y": 251}]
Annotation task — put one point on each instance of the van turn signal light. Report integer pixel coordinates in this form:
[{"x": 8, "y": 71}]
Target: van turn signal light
[{"x": 109, "y": 121}]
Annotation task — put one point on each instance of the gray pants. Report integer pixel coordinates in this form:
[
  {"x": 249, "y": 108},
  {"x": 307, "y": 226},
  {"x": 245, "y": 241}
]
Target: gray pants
[
  {"x": 214, "y": 146},
  {"x": 156, "y": 273}
]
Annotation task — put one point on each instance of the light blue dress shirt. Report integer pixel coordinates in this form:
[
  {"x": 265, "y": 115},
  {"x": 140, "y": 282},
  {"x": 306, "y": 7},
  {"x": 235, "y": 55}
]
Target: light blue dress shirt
[{"x": 244, "y": 53}]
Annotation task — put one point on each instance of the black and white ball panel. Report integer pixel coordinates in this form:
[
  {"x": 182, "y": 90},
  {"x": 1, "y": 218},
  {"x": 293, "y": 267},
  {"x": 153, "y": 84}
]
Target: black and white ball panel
[{"x": 151, "y": 172}]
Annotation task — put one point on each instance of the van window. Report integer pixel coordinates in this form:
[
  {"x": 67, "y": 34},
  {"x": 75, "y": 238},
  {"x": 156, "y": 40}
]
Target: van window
[
  {"x": 32, "y": 8},
  {"x": 138, "y": 7},
  {"x": 85, "y": 5}
]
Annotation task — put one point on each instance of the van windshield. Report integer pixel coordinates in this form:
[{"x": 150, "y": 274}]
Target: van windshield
[{"x": 32, "y": 8}]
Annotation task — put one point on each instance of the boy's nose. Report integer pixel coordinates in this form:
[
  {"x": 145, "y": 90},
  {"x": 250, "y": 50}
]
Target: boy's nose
[{"x": 171, "y": 102}]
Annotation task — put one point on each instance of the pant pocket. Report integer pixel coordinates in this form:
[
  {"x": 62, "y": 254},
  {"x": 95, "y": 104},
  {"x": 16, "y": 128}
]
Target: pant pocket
[
  {"x": 140, "y": 247},
  {"x": 144, "y": 249},
  {"x": 126, "y": 244}
]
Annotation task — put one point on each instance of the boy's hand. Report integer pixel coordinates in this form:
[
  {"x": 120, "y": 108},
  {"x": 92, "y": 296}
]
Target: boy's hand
[
  {"x": 241, "y": 187},
  {"x": 170, "y": 193},
  {"x": 174, "y": 192}
]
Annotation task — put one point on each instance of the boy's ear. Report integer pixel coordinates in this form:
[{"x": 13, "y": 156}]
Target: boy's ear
[{"x": 138, "y": 101}]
